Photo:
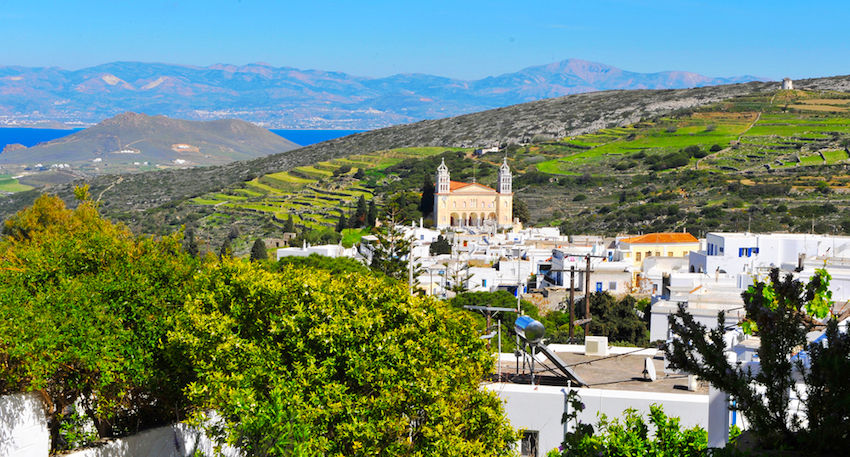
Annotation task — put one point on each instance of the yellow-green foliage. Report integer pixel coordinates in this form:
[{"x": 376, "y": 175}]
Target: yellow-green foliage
[
  {"x": 305, "y": 363},
  {"x": 84, "y": 311}
]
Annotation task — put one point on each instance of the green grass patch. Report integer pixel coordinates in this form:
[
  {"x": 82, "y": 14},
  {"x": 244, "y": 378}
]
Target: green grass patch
[
  {"x": 220, "y": 196},
  {"x": 12, "y": 185},
  {"x": 264, "y": 188},
  {"x": 811, "y": 160},
  {"x": 249, "y": 192},
  {"x": 350, "y": 237},
  {"x": 834, "y": 156},
  {"x": 313, "y": 173},
  {"x": 204, "y": 201}
]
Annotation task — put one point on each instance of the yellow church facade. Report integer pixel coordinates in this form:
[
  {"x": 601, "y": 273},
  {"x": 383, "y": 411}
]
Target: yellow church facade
[{"x": 458, "y": 204}]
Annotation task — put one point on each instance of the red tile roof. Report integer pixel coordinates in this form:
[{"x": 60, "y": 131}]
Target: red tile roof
[
  {"x": 661, "y": 238},
  {"x": 455, "y": 185}
]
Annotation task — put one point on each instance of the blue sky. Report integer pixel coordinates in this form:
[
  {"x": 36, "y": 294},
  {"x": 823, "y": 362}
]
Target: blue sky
[{"x": 459, "y": 39}]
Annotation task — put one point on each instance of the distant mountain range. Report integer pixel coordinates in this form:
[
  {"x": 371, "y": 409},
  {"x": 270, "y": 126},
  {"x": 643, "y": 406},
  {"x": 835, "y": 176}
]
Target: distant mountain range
[
  {"x": 291, "y": 98},
  {"x": 138, "y": 142}
]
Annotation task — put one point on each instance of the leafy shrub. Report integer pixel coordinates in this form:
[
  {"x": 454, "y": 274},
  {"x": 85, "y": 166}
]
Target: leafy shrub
[
  {"x": 668, "y": 161},
  {"x": 579, "y": 198},
  {"x": 692, "y": 150},
  {"x": 716, "y": 148},
  {"x": 85, "y": 308},
  {"x": 306, "y": 363},
  {"x": 631, "y": 437},
  {"x": 711, "y": 212}
]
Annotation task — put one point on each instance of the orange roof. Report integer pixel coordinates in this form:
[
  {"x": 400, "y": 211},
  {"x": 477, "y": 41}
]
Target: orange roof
[
  {"x": 455, "y": 185},
  {"x": 661, "y": 238}
]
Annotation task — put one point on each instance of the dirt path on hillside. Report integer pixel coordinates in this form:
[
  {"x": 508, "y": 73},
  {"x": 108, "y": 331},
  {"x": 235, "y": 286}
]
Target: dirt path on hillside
[{"x": 110, "y": 187}]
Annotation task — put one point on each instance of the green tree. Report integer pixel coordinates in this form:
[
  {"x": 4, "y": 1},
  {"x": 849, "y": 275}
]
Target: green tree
[
  {"x": 359, "y": 217},
  {"x": 631, "y": 437},
  {"x": 521, "y": 210},
  {"x": 404, "y": 206},
  {"x": 85, "y": 308},
  {"x": 372, "y": 214},
  {"x": 440, "y": 246},
  {"x": 391, "y": 254},
  {"x": 226, "y": 250},
  {"x": 262, "y": 343},
  {"x": 342, "y": 222},
  {"x": 259, "y": 251},
  {"x": 780, "y": 312},
  {"x": 615, "y": 319},
  {"x": 190, "y": 245},
  {"x": 289, "y": 225},
  {"x": 335, "y": 266},
  {"x": 426, "y": 203},
  {"x": 234, "y": 232}
]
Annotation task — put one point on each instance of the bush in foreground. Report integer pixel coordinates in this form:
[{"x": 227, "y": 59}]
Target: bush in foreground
[
  {"x": 350, "y": 364},
  {"x": 84, "y": 315}
]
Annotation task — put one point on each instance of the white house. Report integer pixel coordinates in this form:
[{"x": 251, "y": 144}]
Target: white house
[{"x": 327, "y": 250}]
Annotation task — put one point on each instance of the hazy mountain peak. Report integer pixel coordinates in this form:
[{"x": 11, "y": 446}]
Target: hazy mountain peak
[{"x": 288, "y": 97}]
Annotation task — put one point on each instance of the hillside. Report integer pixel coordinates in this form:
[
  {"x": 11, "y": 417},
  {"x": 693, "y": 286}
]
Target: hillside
[
  {"x": 137, "y": 142},
  {"x": 772, "y": 161},
  {"x": 292, "y": 98},
  {"x": 579, "y": 159}
]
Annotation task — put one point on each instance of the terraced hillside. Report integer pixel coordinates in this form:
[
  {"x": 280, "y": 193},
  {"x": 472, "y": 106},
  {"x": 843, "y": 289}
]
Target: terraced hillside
[
  {"x": 716, "y": 167},
  {"x": 557, "y": 117},
  {"x": 703, "y": 159},
  {"x": 314, "y": 194}
]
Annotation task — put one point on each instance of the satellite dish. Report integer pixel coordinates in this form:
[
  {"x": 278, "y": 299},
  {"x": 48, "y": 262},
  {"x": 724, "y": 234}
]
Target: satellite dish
[{"x": 649, "y": 370}]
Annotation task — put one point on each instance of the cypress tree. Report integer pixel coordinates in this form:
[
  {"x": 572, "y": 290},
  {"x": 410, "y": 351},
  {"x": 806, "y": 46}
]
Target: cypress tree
[
  {"x": 289, "y": 225},
  {"x": 426, "y": 205},
  {"x": 189, "y": 243},
  {"x": 360, "y": 213},
  {"x": 341, "y": 223},
  {"x": 258, "y": 251},
  {"x": 226, "y": 250},
  {"x": 372, "y": 214}
]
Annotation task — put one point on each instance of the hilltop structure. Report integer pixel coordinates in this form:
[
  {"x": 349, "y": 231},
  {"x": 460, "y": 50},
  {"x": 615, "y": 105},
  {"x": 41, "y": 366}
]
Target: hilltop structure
[
  {"x": 458, "y": 204},
  {"x": 787, "y": 84}
]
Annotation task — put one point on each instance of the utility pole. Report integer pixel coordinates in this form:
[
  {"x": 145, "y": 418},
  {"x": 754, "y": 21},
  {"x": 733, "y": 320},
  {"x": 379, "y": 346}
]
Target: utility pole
[
  {"x": 587, "y": 298},
  {"x": 572, "y": 302},
  {"x": 587, "y": 293}
]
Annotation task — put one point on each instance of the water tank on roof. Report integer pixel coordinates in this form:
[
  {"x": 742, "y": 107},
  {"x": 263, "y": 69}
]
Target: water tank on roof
[{"x": 529, "y": 329}]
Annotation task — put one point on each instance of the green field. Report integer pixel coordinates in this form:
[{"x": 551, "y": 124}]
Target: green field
[{"x": 7, "y": 184}]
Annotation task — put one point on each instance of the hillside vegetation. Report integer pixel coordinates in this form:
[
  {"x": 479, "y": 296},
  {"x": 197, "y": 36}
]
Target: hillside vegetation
[
  {"x": 600, "y": 162},
  {"x": 753, "y": 162}
]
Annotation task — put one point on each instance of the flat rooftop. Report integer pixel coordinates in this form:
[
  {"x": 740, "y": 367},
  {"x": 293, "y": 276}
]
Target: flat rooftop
[{"x": 621, "y": 370}]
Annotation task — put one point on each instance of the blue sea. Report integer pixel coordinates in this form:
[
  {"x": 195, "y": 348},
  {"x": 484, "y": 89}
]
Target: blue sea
[
  {"x": 308, "y": 137},
  {"x": 31, "y": 137}
]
